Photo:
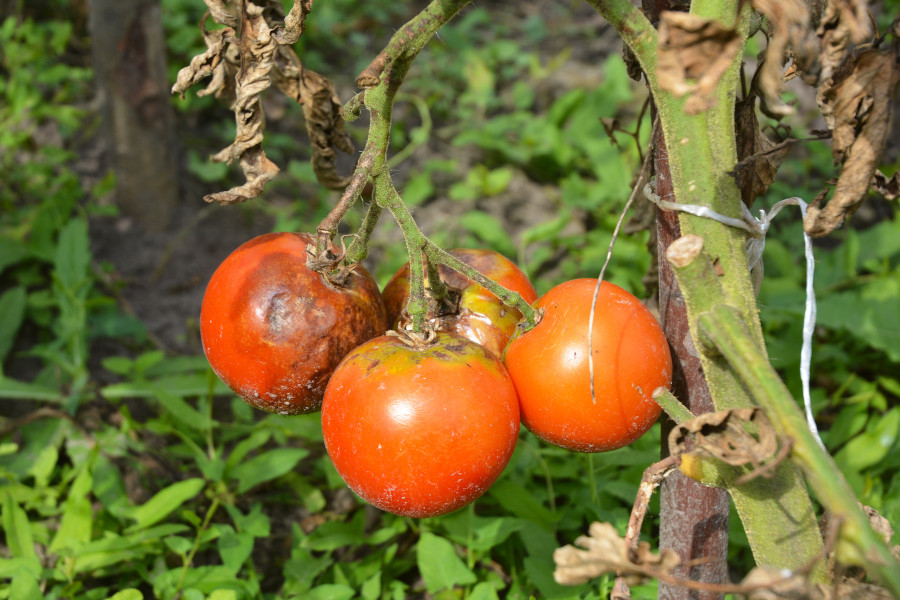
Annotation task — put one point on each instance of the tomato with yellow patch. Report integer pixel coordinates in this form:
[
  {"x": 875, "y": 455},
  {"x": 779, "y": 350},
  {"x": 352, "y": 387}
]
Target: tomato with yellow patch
[
  {"x": 472, "y": 311},
  {"x": 420, "y": 431}
]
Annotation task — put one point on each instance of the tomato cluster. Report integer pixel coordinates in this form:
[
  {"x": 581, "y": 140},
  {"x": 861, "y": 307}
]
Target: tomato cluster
[{"x": 423, "y": 426}]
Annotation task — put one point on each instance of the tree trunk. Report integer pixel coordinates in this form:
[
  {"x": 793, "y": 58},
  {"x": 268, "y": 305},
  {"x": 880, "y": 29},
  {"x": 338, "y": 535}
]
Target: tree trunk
[{"x": 129, "y": 57}]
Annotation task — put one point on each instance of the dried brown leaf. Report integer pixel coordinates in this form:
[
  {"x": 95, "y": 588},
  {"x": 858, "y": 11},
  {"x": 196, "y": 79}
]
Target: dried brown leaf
[
  {"x": 371, "y": 75},
  {"x": 857, "y": 108},
  {"x": 257, "y": 48},
  {"x": 771, "y": 583},
  {"x": 789, "y": 25},
  {"x": 322, "y": 112},
  {"x": 604, "y": 551},
  {"x": 845, "y": 22},
  {"x": 693, "y": 55},
  {"x": 258, "y": 170},
  {"x": 724, "y": 435},
  {"x": 887, "y": 187},
  {"x": 758, "y": 156},
  {"x": 294, "y": 23},
  {"x": 223, "y": 13},
  {"x": 204, "y": 64}
]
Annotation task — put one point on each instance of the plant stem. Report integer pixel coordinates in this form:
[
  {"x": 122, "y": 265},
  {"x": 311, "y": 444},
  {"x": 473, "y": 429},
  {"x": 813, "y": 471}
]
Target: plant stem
[
  {"x": 677, "y": 411},
  {"x": 359, "y": 247},
  {"x": 724, "y": 327},
  {"x": 393, "y": 65},
  {"x": 635, "y": 30},
  {"x": 190, "y": 557}
]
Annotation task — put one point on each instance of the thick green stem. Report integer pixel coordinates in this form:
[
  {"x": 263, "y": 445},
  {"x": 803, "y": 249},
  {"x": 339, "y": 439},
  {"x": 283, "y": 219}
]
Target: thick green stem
[{"x": 724, "y": 327}]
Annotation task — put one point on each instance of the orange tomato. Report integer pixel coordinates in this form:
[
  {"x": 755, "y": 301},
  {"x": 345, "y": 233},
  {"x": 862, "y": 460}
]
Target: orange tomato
[
  {"x": 420, "y": 432},
  {"x": 549, "y": 366}
]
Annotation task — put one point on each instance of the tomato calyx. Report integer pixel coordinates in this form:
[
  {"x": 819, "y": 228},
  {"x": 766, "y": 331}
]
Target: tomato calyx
[
  {"x": 331, "y": 265},
  {"x": 414, "y": 339}
]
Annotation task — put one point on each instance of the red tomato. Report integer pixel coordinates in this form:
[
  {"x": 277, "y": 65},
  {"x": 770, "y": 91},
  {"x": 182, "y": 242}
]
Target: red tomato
[
  {"x": 274, "y": 331},
  {"x": 549, "y": 367},
  {"x": 420, "y": 432},
  {"x": 481, "y": 316}
]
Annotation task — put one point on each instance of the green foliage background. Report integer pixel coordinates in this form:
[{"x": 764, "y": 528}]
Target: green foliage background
[{"x": 234, "y": 504}]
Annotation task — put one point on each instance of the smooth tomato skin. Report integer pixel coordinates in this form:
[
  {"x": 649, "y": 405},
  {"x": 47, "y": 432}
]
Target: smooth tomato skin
[
  {"x": 482, "y": 317},
  {"x": 274, "y": 331},
  {"x": 420, "y": 432},
  {"x": 549, "y": 367}
]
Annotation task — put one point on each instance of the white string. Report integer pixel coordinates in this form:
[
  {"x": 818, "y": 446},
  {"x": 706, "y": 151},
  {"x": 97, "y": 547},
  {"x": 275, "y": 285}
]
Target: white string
[{"x": 757, "y": 228}]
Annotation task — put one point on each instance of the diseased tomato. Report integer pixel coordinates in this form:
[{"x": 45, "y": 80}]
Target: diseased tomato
[
  {"x": 420, "y": 432},
  {"x": 273, "y": 330},
  {"x": 480, "y": 316},
  {"x": 549, "y": 366}
]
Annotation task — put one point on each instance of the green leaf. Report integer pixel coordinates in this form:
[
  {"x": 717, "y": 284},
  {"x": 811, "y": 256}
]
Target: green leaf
[
  {"x": 330, "y": 591},
  {"x": 266, "y": 466},
  {"x": 439, "y": 565},
  {"x": 12, "y": 566},
  {"x": 13, "y": 389},
  {"x": 335, "y": 534},
  {"x": 73, "y": 254},
  {"x": 12, "y": 314},
  {"x": 178, "y": 544},
  {"x": 129, "y": 594},
  {"x": 489, "y": 230},
  {"x": 235, "y": 548},
  {"x": 522, "y": 503},
  {"x": 17, "y": 529},
  {"x": 11, "y": 252},
  {"x": 868, "y": 449},
  {"x": 163, "y": 503},
  {"x": 75, "y": 527},
  {"x": 185, "y": 414},
  {"x": 25, "y": 587}
]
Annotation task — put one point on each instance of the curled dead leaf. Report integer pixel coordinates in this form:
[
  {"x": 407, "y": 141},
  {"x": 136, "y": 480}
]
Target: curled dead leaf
[
  {"x": 889, "y": 187},
  {"x": 724, "y": 435},
  {"x": 222, "y": 12},
  {"x": 693, "y": 55},
  {"x": 603, "y": 551},
  {"x": 856, "y": 105},
  {"x": 773, "y": 583},
  {"x": 758, "y": 156}
]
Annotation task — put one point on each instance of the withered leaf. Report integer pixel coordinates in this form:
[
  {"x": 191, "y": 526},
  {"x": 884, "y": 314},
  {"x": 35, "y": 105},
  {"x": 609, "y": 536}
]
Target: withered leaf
[
  {"x": 857, "y": 108},
  {"x": 723, "y": 435},
  {"x": 322, "y": 112},
  {"x": 844, "y": 22},
  {"x": 758, "y": 156},
  {"x": 204, "y": 64},
  {"x": 770, "y": 583},
  {"x": 604, "y": 551},
  {"x": 693, "y": 55},
  {"x": 789, "y": 24},
  {"x": 222, "y": 13},
  {"x": 258, "y": 170},
  {"x": 294, "y": 23},
  {"x": 887, "y": 187}
]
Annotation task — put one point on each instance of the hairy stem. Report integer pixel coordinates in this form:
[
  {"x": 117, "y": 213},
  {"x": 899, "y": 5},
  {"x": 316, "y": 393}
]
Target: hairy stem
[
  {"x": 383, "y": 78},
  {"x": 724, "y": 327},
  {"x": 359, "y": 248}
]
